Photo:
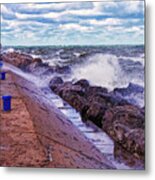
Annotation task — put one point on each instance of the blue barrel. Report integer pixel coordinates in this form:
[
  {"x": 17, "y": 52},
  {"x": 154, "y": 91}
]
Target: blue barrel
[
  {"x": 6, "y": 103},
  {"x": 1, "y": 64},
  {"x": 2, "y": 75}
]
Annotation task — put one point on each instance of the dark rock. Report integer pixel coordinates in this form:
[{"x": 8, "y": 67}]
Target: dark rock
[
  {"x": 38, "y": 60},
  {"x": 76, "y": 101},
  {"x": 83, "y": 83},
  {"x": 62, "y": 87},
  {"x": 135, "y": 141},
  {"x": 68, "y": 87},
  {"x": 123, "y": 123},
  {"x": 132, "y": 150},
  {"x": 98, "y": 98},
  {"x": 133, "y": 160},
  {"x": 94, "y": 113},
  {"x": 143, "y": 111},
  {"x": 128, "y": 115},
  {"x": 17, "y": 59},
  {"x": 73, "y": 94},
  {"x": 96, "y": 89},
  {"x": 55, "y": 82},
  {"x": 107, "y": 99}
]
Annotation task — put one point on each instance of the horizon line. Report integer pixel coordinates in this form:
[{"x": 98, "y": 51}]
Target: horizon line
[{"x": 73, "y": 45}]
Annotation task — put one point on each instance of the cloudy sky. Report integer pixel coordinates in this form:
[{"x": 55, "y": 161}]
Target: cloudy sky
[{"x": 77, "y": 23}]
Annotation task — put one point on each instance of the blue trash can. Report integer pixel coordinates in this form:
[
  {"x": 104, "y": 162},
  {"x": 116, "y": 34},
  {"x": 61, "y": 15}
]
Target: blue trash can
[
  {"x": 6, "y": 103},
  {"x": 2, "y": 75},
  {"x": 1, "y": 64}
]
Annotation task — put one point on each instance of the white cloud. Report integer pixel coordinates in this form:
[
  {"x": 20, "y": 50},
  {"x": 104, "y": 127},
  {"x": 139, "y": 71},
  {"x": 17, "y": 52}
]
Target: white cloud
[
  {"x": 108, "y": 21},
  {"x": 83, "y": 12},
  {"x": 55, "y": 6},
  {"x": 72, "y": 26},
  {"x": 46, "y": 15},
  {"x": 22, "y": 16},
  {"x": 52, "y": 15},
  {"x": 81, "y": 21}
]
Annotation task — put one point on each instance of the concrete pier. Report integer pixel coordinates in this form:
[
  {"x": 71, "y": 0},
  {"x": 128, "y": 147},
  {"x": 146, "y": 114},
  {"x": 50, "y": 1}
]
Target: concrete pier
[{"x": 36, "y": 134}]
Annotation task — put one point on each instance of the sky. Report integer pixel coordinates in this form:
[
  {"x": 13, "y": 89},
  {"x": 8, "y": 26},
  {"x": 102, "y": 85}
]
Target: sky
[{"x": 73, "y": 23}]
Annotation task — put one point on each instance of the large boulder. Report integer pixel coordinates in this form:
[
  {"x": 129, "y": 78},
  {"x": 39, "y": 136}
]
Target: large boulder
[
  {"x": 75, "y": 100},
  {"x": 128, "y": 115},
  {"x": 94, "y": 112},
  {"x": 134, "y": 160},
  {"x": 96, "y": 89},
  {"x": 18, "y": 59},
  {"x": 122, "y": 124},
  {"x": 55, "y": 82},
  {"x": 83, "y": 83},
  {"x": 132, "y": 151},
  {"x": 98, "y": 98},
  {"x": 135, "y": 141},
  {"x": 106, "y": 99},
  {"x": 68, "y": 87},
  {"x": 73, "y": 94},
  {"x": 38, "y": 60}
]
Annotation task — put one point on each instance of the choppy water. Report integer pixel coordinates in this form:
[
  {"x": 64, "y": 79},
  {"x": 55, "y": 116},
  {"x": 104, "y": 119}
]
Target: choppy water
[{"x": 107, "y": 66}]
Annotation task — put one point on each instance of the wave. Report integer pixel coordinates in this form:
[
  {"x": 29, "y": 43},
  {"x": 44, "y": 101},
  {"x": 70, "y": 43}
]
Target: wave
[
  {"x": 106, "y": 70},
  {"x": 111, "y": 69},
  {"x": 135, "y": 59},
  {"x": 8, "y": 50}
]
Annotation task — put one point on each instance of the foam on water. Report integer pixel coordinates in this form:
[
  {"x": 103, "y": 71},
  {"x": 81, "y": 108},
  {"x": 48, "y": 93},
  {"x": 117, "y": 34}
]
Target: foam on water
[
  {"x": 99, "y": 70},
  {"x": 103, "y": 70},
  {"x": 9, "y": 50},
  {"x": 35, "y": 56}
]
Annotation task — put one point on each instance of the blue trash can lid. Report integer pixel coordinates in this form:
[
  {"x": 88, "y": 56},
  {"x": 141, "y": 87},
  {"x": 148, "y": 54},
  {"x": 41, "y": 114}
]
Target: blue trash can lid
[
  {"x": 6, "y": 97},
  {"x": 1, "y": 64}
]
